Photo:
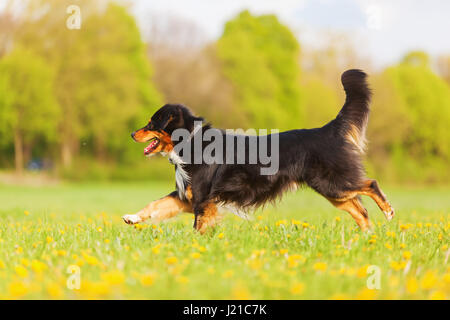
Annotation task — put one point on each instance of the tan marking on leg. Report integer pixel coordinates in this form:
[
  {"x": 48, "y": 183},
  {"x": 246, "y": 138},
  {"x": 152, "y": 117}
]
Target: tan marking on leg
[
  {"x": 159, "y": 210},
  {"x": 188, "y": 193},
  {"x": 372, "y": 190},
  {"x": 356, "y": 210},
  {"x": 208, "y": 219}
]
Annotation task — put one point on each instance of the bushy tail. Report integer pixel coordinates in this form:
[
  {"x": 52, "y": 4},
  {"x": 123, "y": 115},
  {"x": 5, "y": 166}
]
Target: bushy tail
[{"x": 354, "y": 115}]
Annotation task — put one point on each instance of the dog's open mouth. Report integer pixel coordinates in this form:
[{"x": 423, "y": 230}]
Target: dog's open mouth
[{"x": 154, "y": 142}]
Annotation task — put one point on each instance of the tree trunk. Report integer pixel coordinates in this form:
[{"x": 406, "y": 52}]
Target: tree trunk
[
  {"x": 66, "y": 154},
  {"x": 18, "y": 151},
  {"x": 100, "y": 149}
]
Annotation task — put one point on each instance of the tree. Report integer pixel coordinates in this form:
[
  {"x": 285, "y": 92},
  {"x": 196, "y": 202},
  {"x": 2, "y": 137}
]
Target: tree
[
  {"x": 260, "y": 57},
  {"x": 28, "y": 110},
  {"x": 194, "y": 77},
  {"x": 411, "y": 112},
  {"x": 103, "y": 78},
  {"x": 116, "y": 76}
]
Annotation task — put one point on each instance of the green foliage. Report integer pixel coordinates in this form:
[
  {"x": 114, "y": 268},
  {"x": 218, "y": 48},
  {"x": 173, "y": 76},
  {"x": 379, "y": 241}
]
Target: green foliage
[
  {"x": 74, "y": 96},
  {"x": 260, "y": 57},
  {"x": 115, "y": 75},
  {"x": 102, "y": 77},
  {"x": 428, "y": 99},
  {"x": 27, "y": 104},
  {"x": 321, "y": 103},
  {"x": 408, "y": 129}
]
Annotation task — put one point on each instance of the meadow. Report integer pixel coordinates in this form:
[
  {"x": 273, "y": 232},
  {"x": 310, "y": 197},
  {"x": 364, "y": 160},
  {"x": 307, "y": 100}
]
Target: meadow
[{"x": 303, "y": 248}]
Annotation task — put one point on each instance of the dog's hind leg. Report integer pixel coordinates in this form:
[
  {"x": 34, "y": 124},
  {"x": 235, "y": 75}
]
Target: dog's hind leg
[
  {"x": 159, "y": 210},
  {"x": 372, "y": 190},
  {"x": 356, "y": 210},
  {"x": 206, "y": 216}
]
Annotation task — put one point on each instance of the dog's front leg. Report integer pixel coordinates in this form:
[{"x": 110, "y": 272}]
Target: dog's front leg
[{"x": 159, "y": 210}]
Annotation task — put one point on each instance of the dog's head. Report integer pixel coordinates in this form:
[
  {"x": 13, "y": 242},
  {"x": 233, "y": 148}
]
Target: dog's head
[{"x": 159, "y": 129}]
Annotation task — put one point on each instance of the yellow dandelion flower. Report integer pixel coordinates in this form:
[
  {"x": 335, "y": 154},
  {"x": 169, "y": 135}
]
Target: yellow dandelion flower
[
  {"x": 2, "y": 265},
  {"x": 61, "y": 253},
  {"x": 114, "y": 277},
  {"x": 429, "y": 280},
  {"x": 446, "y": 278},
  {"x": 438, "y": 295},
  {"x": 407, "y": 255},
  {"x": 340, "y": 296},
  {"x": 38, "y": 266},
  {"x": 404, "y": 227},
  {"x": 297, "y": 288},
  {"x": 49, "y": 239},
  {"x": 17, "y": 289},
  {"x": 54, "y": 290},
  {"x": 398, "y": 265},
  {"x": 147, "y": 279},
  {"x": 391, "y": 234},
  {"x": 26, "y": 212},
  {"x": 320, "y": 266},
  {"x": 366, "y": 294},
  {"x": 21, "y": 271},
  {"x": 155, "y": 249},
  {"x": 362, "y": 272},
  {"x": 171, "y": 260},
  {"x": 195, "y": 255},
  {"x": 412, "y": 285},
  {"x": 240, "y": 292},
  {"x": 25, "y": 262},
  {"x": 91, "y": 260},
  {"x": 220, "y": 235}
]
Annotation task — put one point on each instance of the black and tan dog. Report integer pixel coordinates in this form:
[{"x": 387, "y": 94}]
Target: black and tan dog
[{"x": 327, "y": 159}]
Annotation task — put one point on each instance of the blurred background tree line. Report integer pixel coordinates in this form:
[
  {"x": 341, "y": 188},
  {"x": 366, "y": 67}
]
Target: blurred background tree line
[{"x": 70, "y": 98}]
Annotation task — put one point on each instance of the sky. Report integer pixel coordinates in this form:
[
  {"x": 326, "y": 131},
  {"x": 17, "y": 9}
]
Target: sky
[{"x": 382, "y": 30}]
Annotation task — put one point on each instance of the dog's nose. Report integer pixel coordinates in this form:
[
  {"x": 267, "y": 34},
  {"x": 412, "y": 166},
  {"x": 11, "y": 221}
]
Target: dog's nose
[{"x": 132, "y": 135}]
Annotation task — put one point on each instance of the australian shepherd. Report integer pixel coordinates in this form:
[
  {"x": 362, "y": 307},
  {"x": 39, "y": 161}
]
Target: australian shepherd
[{"x": 327, "y": 159}]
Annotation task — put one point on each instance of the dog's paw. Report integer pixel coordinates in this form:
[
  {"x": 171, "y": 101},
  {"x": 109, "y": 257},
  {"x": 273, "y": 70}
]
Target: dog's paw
[
  {"x": 389, "y": 214},
  {"x": 131, "y": 218}
]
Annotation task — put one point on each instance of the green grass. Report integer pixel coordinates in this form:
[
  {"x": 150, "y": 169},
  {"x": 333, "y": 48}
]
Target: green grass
[{"x": 298, "y": 250}]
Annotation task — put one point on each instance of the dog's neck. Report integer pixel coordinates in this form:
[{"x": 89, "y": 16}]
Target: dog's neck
[
  {"x": 182, "y": 178},
  {"x": 174, "y": 158}
]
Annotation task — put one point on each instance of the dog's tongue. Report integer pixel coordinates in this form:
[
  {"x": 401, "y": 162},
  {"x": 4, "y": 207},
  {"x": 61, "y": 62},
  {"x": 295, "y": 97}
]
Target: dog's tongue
[{"x": 150, "y": 146}]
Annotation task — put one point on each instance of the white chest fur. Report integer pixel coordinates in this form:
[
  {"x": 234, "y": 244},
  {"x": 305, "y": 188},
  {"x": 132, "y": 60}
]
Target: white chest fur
[{"x": 181, "y": 176}]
